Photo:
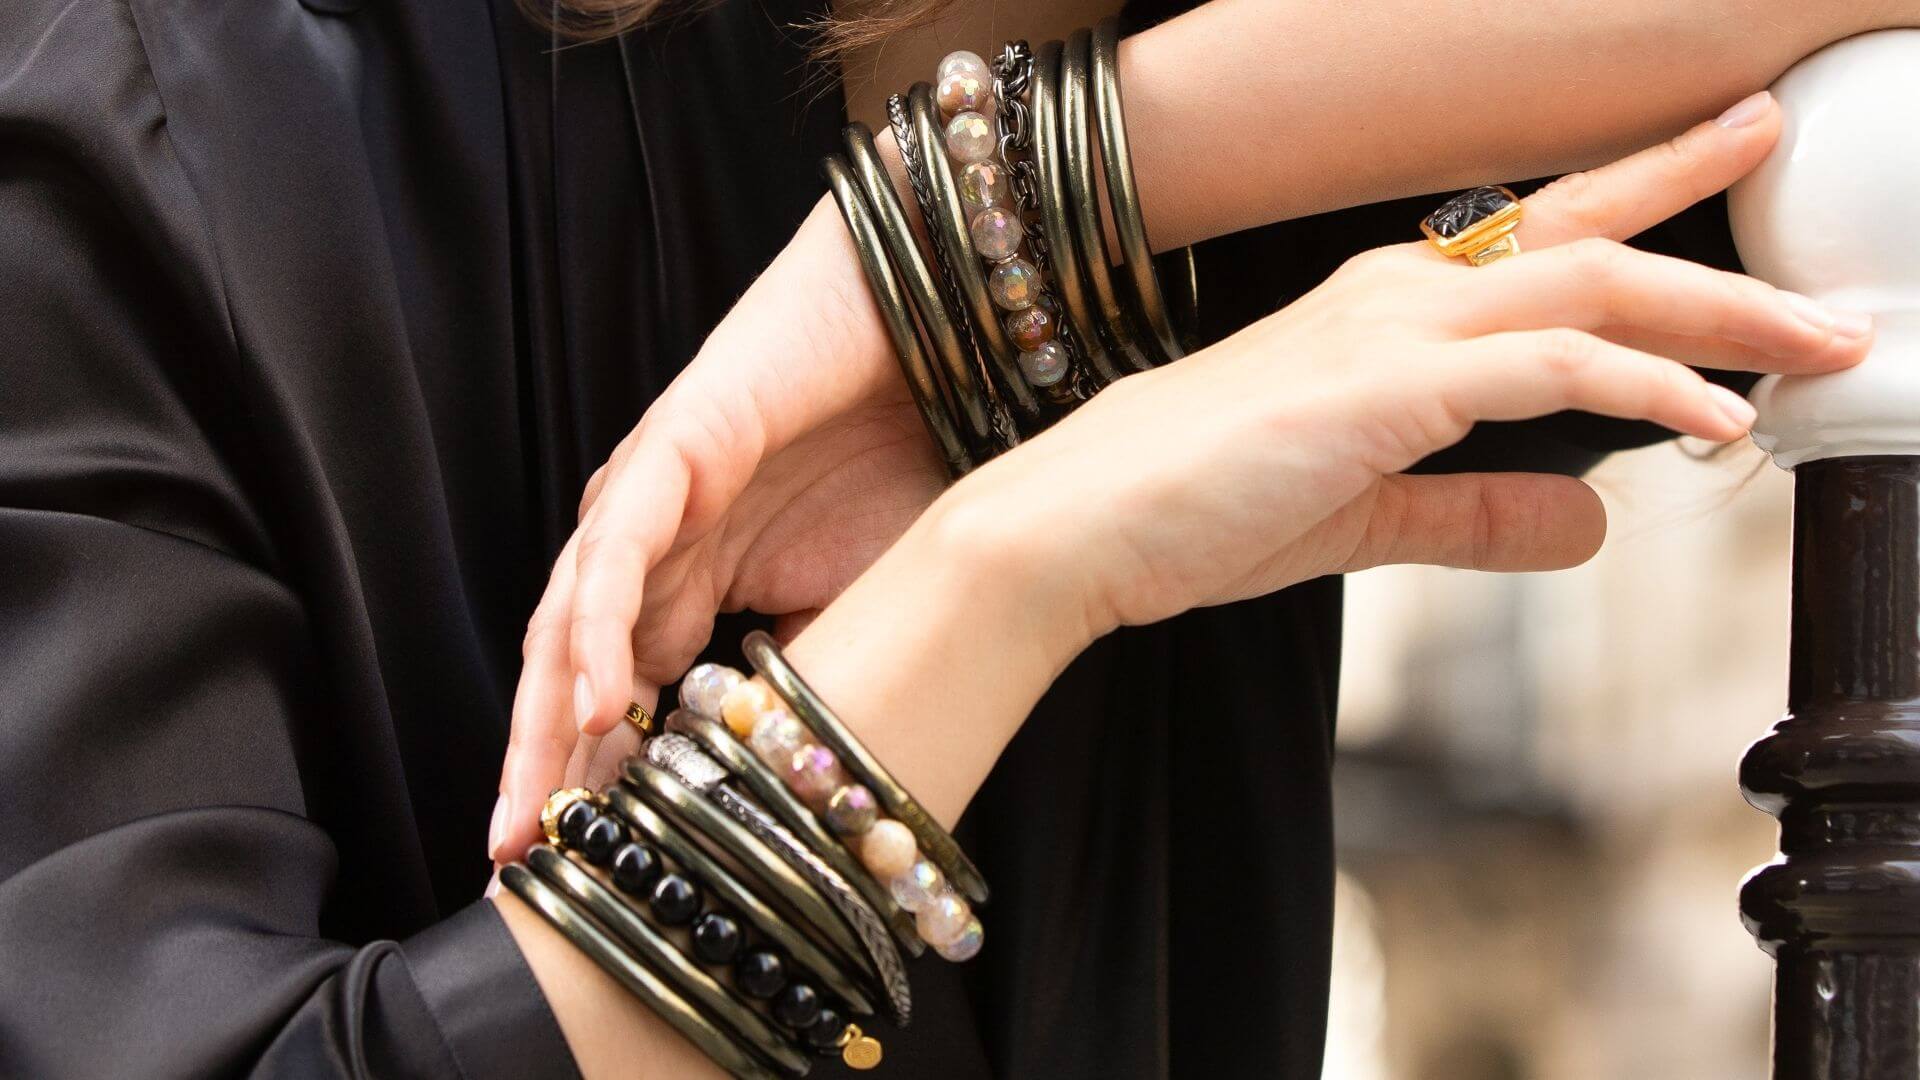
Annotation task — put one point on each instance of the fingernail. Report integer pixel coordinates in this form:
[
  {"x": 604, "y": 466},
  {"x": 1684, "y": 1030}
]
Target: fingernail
[
  {"x": 1746, "y": 111},
  {"x": 493, "y": 886},
  {"x": 1809, "y": 311},
  {"x": 1852, "y": 324},
  {"x": 582, "y": 700},
  {"x": 1736, "y": 408},
  {"x": 497, "y": 832}
]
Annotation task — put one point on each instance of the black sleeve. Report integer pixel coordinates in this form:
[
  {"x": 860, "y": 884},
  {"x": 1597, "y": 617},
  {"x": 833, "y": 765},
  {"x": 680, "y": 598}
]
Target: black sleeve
[{"x": 164, "y": 893}]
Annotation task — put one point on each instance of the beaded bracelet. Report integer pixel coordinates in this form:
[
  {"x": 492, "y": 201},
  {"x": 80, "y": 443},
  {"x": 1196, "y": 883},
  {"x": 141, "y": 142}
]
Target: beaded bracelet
[{"x": 888, "y": 847}]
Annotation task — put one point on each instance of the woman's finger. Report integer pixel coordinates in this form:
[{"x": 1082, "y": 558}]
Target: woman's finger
[
  {"x": 1503, "y": 522},
  {"x": 1591, "y": 283},
  {"x": 543, "y": 734},
  {"x": 1638, "y": 192},
  {"x": 1526, "y": 374}
]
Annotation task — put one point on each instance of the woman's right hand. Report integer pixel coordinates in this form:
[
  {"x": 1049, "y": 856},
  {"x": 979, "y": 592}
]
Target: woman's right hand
[{"x": 1278, "y": 455}]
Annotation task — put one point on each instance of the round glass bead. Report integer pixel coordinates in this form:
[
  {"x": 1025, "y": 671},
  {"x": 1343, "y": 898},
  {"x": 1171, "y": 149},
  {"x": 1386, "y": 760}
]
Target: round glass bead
[
  {"x": 943, "y": 919},
  {"x": 983, "y": 184},
  {"x": 1046, "y": 365},
  {"x": 574, "y": 821},
  {"x": 964, "y": 91},
  {"x": 777, "y": 736},
  {"x": 717, "y": 938},
  {"x": 961, "y": 60},
  {"x": 674, "y": 900},
  {"x": 743, "y": 706},
  {"x": 635, "y": 868},
  {"x": 1031, "y": 328},
  {"x": 1015, "y": 284},
  {"x": 888, "y": 849},
  {"x": 760, "y": 974},
  {"x": 970, "y": 138},
  {"x": 919, "y": 886},
  {"x": 996, "y": 233},
  {"x": 852, "y": 810},
  {"x": 706, "y": 685},
  {"x": 603, "y": 836},
  {"x": 798, "y": 1006},
  {"x": 826, "y": 1030},
  {"x": 966, "y": 944},
  {"x": 814, "y": 773}
]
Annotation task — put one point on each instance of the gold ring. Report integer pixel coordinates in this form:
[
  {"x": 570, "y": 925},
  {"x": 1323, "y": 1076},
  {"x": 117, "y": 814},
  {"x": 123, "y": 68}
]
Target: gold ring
[
  {"x": 639, "y": 717},
  {"x": 1476, "y": 226}
]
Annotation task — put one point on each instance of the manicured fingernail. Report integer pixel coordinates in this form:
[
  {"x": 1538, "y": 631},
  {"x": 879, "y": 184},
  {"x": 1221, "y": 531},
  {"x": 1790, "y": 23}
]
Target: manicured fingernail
[
  {"x": 1809, "y": 311},
  {"x": 493, "y": 886},
  {"x": 1736, "y": 408},
  {"x": 1746, "y": 111},
  {"x": 497, "y": 832},
  {"x": 582, "y": 700},
  {"x": 1852, "y": 324}
]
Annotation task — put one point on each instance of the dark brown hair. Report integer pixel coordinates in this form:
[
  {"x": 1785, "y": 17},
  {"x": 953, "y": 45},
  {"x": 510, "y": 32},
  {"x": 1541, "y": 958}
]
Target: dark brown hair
[{"x": 836, "y": 36}]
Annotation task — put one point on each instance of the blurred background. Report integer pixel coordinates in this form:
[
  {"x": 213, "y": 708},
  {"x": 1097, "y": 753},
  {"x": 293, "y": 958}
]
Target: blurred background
[{"x": 1539, "y": 832}]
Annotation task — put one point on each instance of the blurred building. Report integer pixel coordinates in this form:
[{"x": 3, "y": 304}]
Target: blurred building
[{"x": 1540, "y": 834}]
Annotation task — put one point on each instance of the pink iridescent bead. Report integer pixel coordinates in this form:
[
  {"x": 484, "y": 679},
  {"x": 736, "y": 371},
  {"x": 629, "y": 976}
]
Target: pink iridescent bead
[
  {"x": 920, "y": 885},
  {"x": 1015, "y": 284},
  {"x": 1031, "y": 328},
  {"x": 942, "y": 920},
  {"x": 961, "y": 60},
  {"x": 983, "y": 184},
  {"x": 1045, "y": 365},
  {"x": 743, "y": 705},
  {"x": 888, "y": 850},
  {"x": 970, "y": 138},
  {"x": 776, "y": 736},
  {"x": 964, "y": 945},
  {"x": 996, "y": 233},
  {"x": 852, "y": 810},
  {"x": 964, "y": 91},
  {"x": 705, "y": 685},
  {"x": 813, "y": 773}
]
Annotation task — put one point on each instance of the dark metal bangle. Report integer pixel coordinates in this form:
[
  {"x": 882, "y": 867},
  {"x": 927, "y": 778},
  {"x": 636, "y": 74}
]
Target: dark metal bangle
[
  {"x": 1117, "y": 157},
  {"x": 973, "y": 404},
  {"x": 568, "y": 874},
  {"x": 935, "y": 842},
  {"x": 580, "y": 929},
  {"x": 929, "y": 393},
  {"x": 711, "y": 874},
  {"x": 685, "y": 759},
  {"x": 1055, "y": 224},
  {"x": 669, "y": 796},
  {"x": 772, "y": 793},
  {"x": 1115, "y": 323}
]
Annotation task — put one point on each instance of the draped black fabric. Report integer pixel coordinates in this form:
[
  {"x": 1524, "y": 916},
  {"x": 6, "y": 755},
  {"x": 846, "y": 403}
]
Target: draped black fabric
[{"x": 315, "y": 320}]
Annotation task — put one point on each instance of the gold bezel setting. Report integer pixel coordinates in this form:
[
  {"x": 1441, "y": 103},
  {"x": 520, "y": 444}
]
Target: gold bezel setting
[{"x": 1487, "y": 238}]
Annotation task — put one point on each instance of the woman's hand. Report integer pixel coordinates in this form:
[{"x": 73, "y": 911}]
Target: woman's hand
[{"x": 1276, "y": 456}]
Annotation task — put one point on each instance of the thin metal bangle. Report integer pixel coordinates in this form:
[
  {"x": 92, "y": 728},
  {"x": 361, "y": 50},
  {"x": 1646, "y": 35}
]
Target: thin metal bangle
[
  {"x": 669, "y": 796},
  {"x": 973, "y": 402},
  {"x": 1115, "y": 322},
  {"x": 1055, "y": 225},
  {"x": 684, "y": 758},
  {"x": 580, "y": 929},
  {"x": 929, "y": 393},
  {"x": 947, "y": 222},
  {"x": 568, "y": 874},
  {"x": 771, "y": 792},
  {"x": 708, "y": 871},
  {"x": 935, "y": 842},
  {"x": 1116, "y": 156}
]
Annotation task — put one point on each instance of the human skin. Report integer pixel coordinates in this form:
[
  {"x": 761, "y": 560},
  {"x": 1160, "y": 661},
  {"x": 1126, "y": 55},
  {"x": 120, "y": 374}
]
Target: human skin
[{"x": 1271, "y": 458}]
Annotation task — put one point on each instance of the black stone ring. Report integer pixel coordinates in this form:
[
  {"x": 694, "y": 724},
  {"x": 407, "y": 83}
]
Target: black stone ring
[{"x": 1476, "y": 225}]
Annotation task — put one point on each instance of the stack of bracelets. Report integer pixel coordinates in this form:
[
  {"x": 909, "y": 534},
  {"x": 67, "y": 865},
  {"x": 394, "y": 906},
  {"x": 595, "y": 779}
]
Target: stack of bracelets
[
  {"x": 755, "y": 876},
  {"x": 1017, "y": 316}
]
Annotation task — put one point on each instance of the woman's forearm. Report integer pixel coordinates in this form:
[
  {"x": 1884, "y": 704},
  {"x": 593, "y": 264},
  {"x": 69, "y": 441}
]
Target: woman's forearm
[{"x": 1246, "y": 112}]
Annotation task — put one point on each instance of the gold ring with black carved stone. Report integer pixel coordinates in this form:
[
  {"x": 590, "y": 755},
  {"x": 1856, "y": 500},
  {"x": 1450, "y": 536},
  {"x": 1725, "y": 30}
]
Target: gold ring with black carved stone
[{"x": 1476, "y": 225}]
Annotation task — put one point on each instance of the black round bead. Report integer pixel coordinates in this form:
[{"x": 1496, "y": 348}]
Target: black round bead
[
  {"x": 573, "y": 822},
  {"x": 760, "y": 974},
  {"x": 717, "y": 938},
  {"x": 603, "y": 836},
  {"x": 675, "y": 900},
  {"x": 635, "y": 867},
  {"x": 798, "y": 1006},
  {"x": 824, "y": 1033}
]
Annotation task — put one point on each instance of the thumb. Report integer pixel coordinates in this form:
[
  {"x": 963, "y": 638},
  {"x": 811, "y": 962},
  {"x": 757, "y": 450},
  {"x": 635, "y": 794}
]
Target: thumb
[{"x": 1508, "y": 522}]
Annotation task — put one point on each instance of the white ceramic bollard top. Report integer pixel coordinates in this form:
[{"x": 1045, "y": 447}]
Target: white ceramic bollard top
[{"x": 1834, "y": 212}]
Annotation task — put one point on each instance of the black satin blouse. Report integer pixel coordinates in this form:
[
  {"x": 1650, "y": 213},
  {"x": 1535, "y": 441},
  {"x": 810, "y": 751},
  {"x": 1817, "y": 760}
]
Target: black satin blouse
[{"x": 314, "y": 318}]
